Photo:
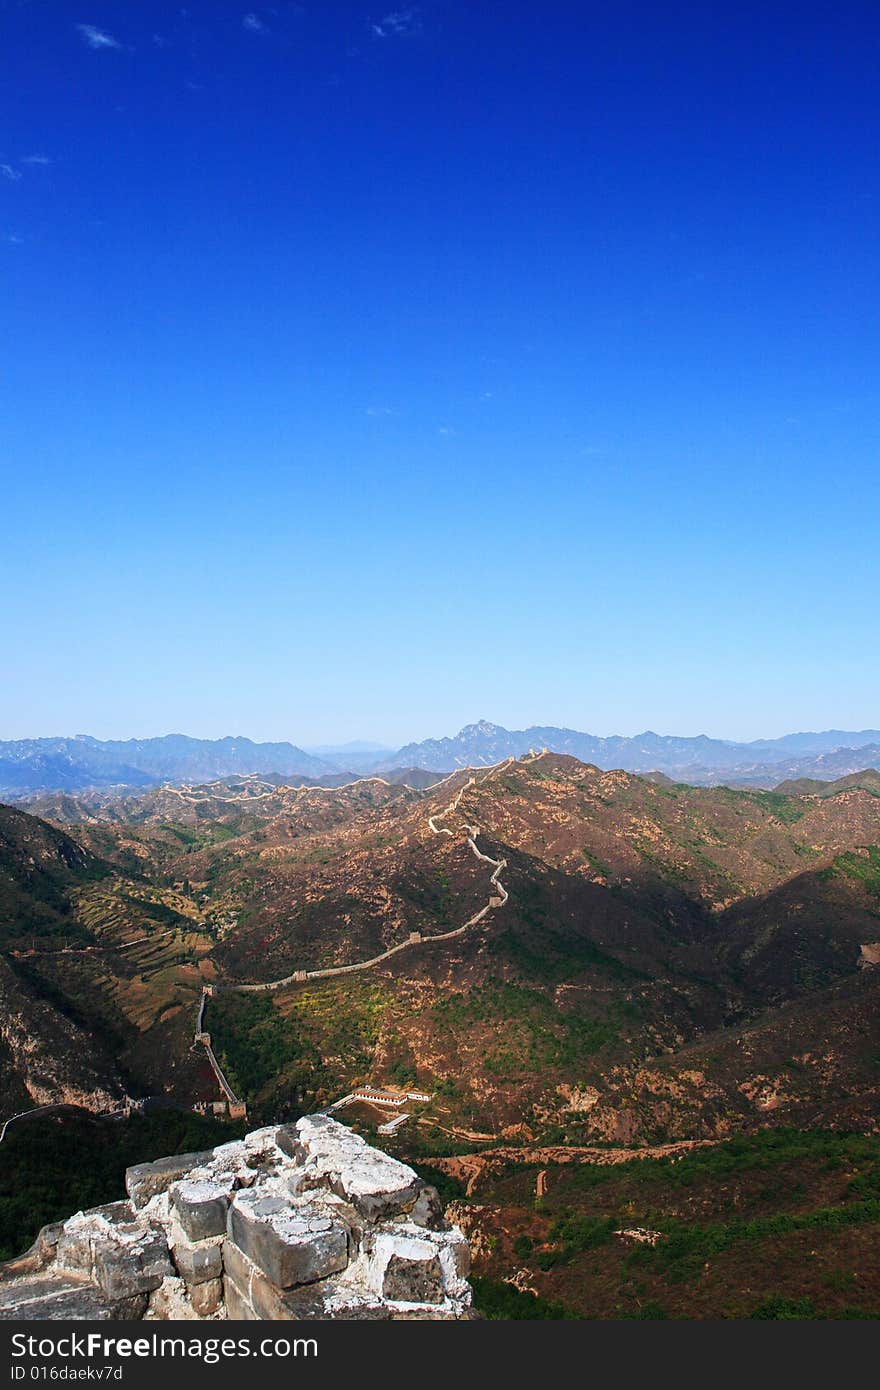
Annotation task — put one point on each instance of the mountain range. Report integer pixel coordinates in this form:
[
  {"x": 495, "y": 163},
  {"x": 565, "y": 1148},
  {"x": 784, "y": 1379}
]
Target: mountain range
[
  {"x": 643, "y": 917},
  {"x": 657, "y": 964},
  {"x": 699, "y": 759},
  {"x": 70, "y": 764},
  {"x": 75, "y": 764}
]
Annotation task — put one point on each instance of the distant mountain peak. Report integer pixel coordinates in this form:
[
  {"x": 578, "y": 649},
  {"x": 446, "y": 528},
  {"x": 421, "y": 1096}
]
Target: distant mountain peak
[{"x": 697, "y": 759}]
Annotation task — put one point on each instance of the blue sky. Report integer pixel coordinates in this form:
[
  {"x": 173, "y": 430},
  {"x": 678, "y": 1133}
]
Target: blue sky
[{"x": 367, "y": 370}]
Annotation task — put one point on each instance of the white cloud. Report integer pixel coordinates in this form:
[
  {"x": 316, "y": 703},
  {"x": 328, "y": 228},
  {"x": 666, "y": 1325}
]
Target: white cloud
[
  {"x": 97, "y": 38},
  {"x": 35, "y": 159},
  {"x": 254, "y": 24},
  {"x": 9, "y": 173},
  {"x": 397, "y": 24}
]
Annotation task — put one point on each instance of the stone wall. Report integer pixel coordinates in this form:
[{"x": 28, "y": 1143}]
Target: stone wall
[{"x": 293, "y": 1221}]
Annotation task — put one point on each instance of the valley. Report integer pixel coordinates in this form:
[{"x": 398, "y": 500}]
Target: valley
[{"x": 571, "y": 963}]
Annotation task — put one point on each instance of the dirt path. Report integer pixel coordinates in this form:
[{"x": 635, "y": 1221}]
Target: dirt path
[{"x": 469, "y": 1167}]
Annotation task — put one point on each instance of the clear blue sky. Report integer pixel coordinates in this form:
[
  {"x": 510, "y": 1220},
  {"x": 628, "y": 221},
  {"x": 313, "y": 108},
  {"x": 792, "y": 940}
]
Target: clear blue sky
[{"x": 367, "y": 370}]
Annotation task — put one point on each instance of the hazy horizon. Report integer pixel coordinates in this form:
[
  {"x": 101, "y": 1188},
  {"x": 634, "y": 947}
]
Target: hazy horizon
[{"x": 365, "y": 745}]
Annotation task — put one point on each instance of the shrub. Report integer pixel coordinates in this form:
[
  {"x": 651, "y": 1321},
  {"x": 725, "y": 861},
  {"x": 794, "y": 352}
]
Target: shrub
[{"x": 502, "y": 1302}]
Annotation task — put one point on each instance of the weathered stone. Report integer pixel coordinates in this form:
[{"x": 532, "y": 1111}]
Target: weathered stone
[
  {"x": 406, "y": 1270},
  {"x": 52, "y": 1296},
  {"x": 206, "y": 1298},
  {"x": 83, "y": 1233},
  {"x": 47, "y": 1237},
  {"x": 360, "y": 1312},
  {"x": 115, "y": 1213},
  {"x": 236, "y": 1264},
  {"x": 171, "y": 1302},
  {"x": 260, "y": 1158},
  {"x": 176, "y": 1301},
  {"x": 421, "y": 1312},
  {"x": 290, "y": 1243},
  {"x": 127, "y": 1263},
  {"x": 227, "y": 1157},
  {"x": 455, "y": 1259},
  {"x": 197, "y": 1263},
  {"x": 427, "y": 1210},
  {"x": 200, "y": 1205},
  {"x": 351, "y": 1218},
  {"x": 375, "y": 1183},
  {"x": 313, "y": 1302},
  {"x": 237, "y": 1306},
  {"x": 328, "y": 1298},
  {"x": 145, "y": 1180},
  {"x": 43, "y": 1249},
  {"x": 288, "y": 1140},
  {"x": 131, "y": 1309},
  {"x": 319, "y": 1226},
  {"x": 288, "y": 1305},
  {"x": 73, "y": 1250},
  {"x": 295, "y": 1184}
]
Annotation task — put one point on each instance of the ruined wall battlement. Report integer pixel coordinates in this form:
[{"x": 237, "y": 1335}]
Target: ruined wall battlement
[{"x": 293, "y": 1221}]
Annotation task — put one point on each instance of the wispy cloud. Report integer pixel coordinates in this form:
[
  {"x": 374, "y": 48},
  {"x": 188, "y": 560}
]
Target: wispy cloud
[
  {"x": 35, "y": 159},
  {"x": 97, "y": 38},
  {"x": 397, "y": 24},
  {"x": 379, "y": 410},
  {"x": 254, "y": 24},
  {"x": 9, "y": 173}
]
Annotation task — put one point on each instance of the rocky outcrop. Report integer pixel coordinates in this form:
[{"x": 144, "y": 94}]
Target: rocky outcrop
[
  {"x": 53, "y": 1060},
  {"x": 293, "y": 1221}
]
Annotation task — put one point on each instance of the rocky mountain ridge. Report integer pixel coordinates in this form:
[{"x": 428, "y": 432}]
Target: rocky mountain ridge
[
  {"x": 638, "y": 919},
  {"x": 667, "y": 964}
]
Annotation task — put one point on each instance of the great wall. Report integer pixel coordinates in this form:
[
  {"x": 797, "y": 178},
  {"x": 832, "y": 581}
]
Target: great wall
[
  {"x": 291, "y": 1222},
  {"x": 498, "y": 896}
]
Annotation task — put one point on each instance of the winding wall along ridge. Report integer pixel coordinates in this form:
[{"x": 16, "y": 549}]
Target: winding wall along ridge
[
  {"x": 497, "y": 898},
  {"x": 189, "y": 792}
]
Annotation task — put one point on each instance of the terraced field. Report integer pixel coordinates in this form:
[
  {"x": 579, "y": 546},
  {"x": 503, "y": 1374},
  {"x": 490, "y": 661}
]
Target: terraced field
[{"x": 159, "y": 943}]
